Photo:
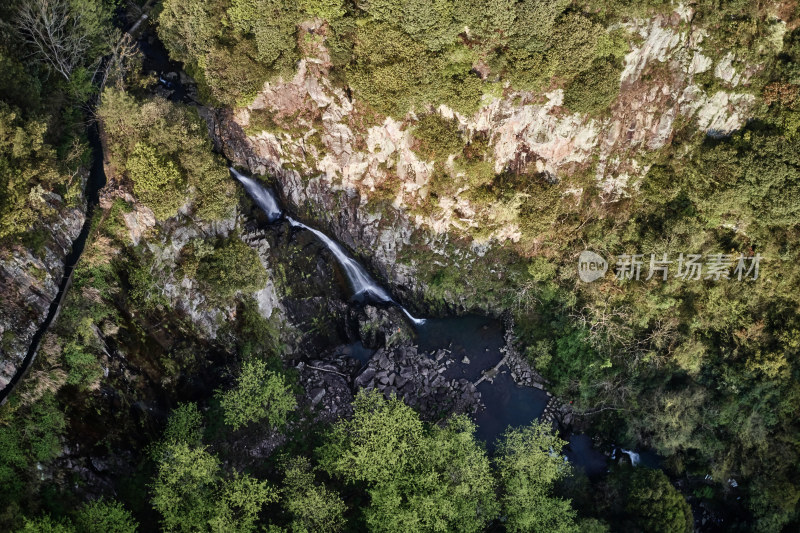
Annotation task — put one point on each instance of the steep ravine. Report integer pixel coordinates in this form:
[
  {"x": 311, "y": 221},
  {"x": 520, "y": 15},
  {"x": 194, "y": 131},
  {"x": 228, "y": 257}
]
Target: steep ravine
[{"x": 45, "y": 293}]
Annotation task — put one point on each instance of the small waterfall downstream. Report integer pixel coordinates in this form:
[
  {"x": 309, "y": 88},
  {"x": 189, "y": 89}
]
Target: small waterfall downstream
[
  {"x": 365, "y": 289},
  {"x": 633, "y": 456}
]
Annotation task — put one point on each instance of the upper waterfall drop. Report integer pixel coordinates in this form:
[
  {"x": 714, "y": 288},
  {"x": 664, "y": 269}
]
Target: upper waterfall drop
[{"x": 261, "y": 195}]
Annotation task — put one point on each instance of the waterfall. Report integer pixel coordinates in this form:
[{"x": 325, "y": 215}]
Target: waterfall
[
  {"x": 634, "y": 457},
  {"x": 412, "y": 318},
  {"x": 261, "y": 195},
  {"x": 365, "y": 289}
]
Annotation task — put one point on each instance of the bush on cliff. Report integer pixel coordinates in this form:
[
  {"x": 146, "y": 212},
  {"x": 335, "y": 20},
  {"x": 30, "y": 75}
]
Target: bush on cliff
[
  {"x": 259, "y": 394},
  {"x": 164, "y": 149},
  {"x": 232, "y": 267}
]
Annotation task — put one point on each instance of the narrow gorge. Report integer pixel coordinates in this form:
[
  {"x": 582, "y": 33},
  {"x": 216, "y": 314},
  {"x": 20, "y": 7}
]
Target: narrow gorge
[{"x": 399, "y": 266}]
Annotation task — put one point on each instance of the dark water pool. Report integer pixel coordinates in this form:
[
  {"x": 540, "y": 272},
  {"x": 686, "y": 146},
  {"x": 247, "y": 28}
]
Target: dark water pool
[
  {"x": 358, "y": 351},
  {"x": 507, "y": 405},
  {"x": 475, "y": 343},
  {"x": 477, "y": 338},
  {"x": 581, "y": 454}
]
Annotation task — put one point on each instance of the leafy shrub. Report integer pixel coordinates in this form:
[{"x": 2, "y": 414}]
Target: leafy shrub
[
  {"x": 144, "y": 291},
  {"x": 104, "y": 516},
  {"x": 326, "y": 9},
  {"x": 184, "y": 491},
  {"x": 43, "y": 428},
  {"x": 157, "y": 182},
  {"x": 534, "y": 26},
  {"x": 488, "y": 20},
  {"x": 655, "y": 505},
  {"x": 233, "y": 46},
  {"x": 12, "y": 461},
  {"x": 28, "y": 169},
  {"x": 46, "y": 524},
  {"x": 430, "y": 22},
  {"x": 32, "y": 435},
  {"x": 313, "y": 507},
  {"x": 184, "y": 425},
  {"x": 529, "y": 464},
  {"x": 232, "y": 267},
  {"x": 272, "y": 22},
  {"x": 164, "y": 149},
  {"x": 419, "y": 477},
  {"x": 594, "y": 89},
  {"x": 438, "y": 137},
  {"x": 256, "y": 334},
  {"x": 389, "y": 68},
  {"x": 259, "y": 394},
  {"x": 573, "y": 44},
  {"x": 84, "y": 368}
]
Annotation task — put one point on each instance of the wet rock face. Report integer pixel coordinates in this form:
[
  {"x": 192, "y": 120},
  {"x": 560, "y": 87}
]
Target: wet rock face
[
  {"x": 378, "y": 328},
  {"x": 29, "y": 281}
]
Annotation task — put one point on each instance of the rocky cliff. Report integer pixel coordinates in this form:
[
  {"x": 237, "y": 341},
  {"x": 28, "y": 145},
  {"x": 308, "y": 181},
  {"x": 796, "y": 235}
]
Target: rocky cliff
[
  {"x": 361, "y": 176},
  {"x": 29, "y": 281}
]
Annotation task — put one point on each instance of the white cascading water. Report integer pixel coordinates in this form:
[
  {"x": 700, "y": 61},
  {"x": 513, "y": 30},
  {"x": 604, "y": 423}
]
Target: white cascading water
[
  {"x": 260, "y": 194},
  {"x": 634, "y": 457},
  {"x": 412, "y": 318},
  {"x": 365, "y": 288},
  {"x": 362, "y": 283}
]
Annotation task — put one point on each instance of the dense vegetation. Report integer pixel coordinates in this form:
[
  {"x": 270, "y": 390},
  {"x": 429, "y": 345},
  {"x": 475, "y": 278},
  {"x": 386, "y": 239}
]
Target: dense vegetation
[
  {"x": 705, "y": 373},
  {"x": 165, "y": 151},
  {"x": 43, "y": 142},
  {"x": 398, "y": 55},
  {"x": 645, "y": 361},
  {"x": 412, "y": 476}
]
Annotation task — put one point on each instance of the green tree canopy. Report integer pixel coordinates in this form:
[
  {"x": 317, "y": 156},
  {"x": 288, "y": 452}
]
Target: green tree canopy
[
  {"x": 104, "y": 516},
  {"x": 157, "y": 182},
  {"x": 259, "y": 394},
  {"x": 529, "y": 462},
  {"x": 164, "y": 149},
  {"x": 191, "y": 493},
  {"x": 28, "y": 169},
  {"x": 313, "y": 507},
  {"x": 419, "y": 477},
  {"x": 655, "y": 505}
]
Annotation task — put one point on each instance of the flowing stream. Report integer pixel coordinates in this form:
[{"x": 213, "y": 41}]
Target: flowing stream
[
  {"x": 475, "y": 342},
  {"x": 261, "y": 195},
  {"x": 365, "y": 288}
]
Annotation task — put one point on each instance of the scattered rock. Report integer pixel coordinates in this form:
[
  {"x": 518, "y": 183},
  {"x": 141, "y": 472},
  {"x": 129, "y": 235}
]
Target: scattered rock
[{"x": 316, "y": 395}]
